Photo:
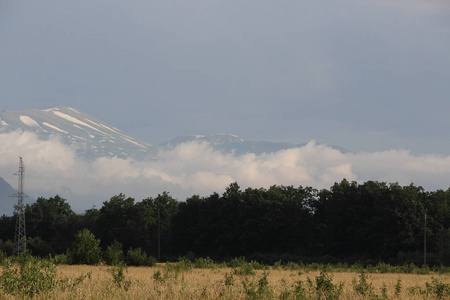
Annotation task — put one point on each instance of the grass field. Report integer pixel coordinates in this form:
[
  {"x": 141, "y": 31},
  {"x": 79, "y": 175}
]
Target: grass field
[{"x": 175, "y": 281}]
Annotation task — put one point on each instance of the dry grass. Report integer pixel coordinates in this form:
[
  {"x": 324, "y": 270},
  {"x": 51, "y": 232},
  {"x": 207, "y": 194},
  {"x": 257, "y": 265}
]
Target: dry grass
[{"x": 221, "y": 284}]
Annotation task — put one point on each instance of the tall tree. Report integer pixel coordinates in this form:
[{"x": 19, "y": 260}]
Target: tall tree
[{"x": 51, "y": 220}]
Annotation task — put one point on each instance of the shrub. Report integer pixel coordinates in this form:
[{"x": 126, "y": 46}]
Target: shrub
[
  {"x": 363, "y": 287},
  {"x": 118, "y": 275},
  {"x": 2, "y": 257},
  {"x": 7, "y": 247},
  {"x": 32, "y": 277},
  {"x": 439, "y": 289},
  {"x": 114, "y": 254},
  {"x": 157, "y": 276},
  {"x": 204, "y": 263},
  {"x": 245, "y": 269},
  {"x": 258, "y": 290},
  {"x": 60, "y": 259},
  {"x": 183, "y": 264},
  {"x": 229, "y": 280},
  {"x": 137, "y": 257},
  {"x": 24, "y": 257},
  {"x": 38, "y": 247},
  {"x": 398, "y": 288},
  {"x": 325, "y": 288},
  {"x": 236, "y": 262},
  {"x": 85, "y": 249}
]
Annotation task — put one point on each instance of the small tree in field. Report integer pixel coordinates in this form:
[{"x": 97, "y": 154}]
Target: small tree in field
[
  {"x": 85, "y": 249},
  {"x": 114, "y": 254}
]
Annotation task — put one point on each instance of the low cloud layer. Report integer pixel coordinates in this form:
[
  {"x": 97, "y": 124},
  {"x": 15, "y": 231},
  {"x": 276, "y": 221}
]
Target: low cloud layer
[{"x": 192, "y": 168}]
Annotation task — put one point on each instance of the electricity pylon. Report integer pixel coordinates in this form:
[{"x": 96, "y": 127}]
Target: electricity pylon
[{"x": 20, "y": 236}]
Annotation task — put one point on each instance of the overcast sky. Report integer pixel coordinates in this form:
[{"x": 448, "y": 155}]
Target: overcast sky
[{"x": 366, "y": 75}]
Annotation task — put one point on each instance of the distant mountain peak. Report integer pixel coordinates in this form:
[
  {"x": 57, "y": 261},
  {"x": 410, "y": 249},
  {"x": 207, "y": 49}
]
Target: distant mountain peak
[
  {"x": 92, "y": 137},
  {"x": 231, "y": 143}
]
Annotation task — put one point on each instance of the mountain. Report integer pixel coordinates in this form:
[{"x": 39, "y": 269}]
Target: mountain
[
  {"x": 6, "y": 202},
  {"x": 92, "y": 137},
  {"x": 229, "y": 143}
]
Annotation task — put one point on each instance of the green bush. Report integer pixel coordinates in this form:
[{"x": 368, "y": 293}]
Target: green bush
[
  {"x": 39, "y": 247},
  {"x": 158, "y": 277},
  {"x": 32, "y": 277},
  {"x": 114, "y": 254},
  {"x": 85, "y": 249},
  {"x": 7, "y": 247},
  {"x": 326, "y": 289},
  {"x": 236, "y": 262},
  {"x": 118, "y": 275},
  {"x": 60, "y": 259},
  {"x": 204, "y": 263},
  {"x": 438, "y": 289},
  {"x": 245, "y": 269},
  {"x": 229, "y": 279},
  {"x": 2, "y": 257},
  {"x": 257, "y": 289},
  {"x": 24, "y": 257},
  {"x": 363, "y": 287},
  {"x": 183, "y": 264},
  {"x": 137, "y": 257}
]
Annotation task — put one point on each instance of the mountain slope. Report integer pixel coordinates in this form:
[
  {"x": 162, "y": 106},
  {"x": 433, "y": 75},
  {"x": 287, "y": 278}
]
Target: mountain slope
[
  {"x": 229, "y": 143},
  {"x": 93, "y": 138},
  {"x": 90, "y": 136},
  {"x": 6, "y": 202}
]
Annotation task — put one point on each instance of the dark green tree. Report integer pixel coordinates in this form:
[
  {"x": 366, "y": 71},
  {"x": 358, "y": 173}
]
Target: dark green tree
[
  {"x": 85, "y": 249},
  {"x": 51, "y": 220},
  {"x": 117, "y": 220}
]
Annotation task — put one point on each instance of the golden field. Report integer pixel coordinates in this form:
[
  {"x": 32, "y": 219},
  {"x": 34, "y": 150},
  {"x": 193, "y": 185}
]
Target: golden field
[{"x": 164, "y": 282}]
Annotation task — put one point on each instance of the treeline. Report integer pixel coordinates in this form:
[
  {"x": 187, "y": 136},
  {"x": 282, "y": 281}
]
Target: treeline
[{"x": 367, "y": 223}]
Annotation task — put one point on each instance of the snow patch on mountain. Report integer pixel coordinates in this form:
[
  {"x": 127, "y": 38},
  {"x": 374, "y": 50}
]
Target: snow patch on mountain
[
  {"x": 53, "y": 127},
  {"x": 72, "y": 109},
  {"x": 76, "y": 121},
  {"x": 28, "y": 121},
  {"x": 77, "y": 129}
]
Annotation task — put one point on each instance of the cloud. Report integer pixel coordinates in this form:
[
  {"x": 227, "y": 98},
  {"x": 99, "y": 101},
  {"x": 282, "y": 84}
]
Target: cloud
[{"x": 195, "y": 168}]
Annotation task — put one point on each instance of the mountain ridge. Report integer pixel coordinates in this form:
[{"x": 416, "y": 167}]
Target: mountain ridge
[
  {"x": 93, "y": 138},
  {"x": 230, "y": 143},
  {"x": 6, "y": 201}
]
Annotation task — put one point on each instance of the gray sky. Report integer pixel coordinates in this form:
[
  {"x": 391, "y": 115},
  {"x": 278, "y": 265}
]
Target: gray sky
[
  {"x": 365, "y": 75},
  {"x": 372, "y": 76}
]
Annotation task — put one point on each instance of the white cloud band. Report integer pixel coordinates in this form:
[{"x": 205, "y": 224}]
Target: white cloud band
[{"x": 195, "y": 168}]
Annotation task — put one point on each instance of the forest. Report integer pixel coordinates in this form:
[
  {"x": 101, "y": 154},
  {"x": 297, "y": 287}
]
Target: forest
[{"x": 368, "y": 223}]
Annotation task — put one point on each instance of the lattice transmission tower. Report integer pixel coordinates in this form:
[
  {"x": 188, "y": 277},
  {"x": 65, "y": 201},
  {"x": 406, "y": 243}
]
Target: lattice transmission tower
[{"x": 20, "y": 236}]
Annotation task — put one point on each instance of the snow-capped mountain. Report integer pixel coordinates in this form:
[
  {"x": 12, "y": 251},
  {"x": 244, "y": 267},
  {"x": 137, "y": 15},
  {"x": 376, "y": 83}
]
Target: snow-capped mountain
[
  {"x": 229, "y": 143},
  {"x": 91, "y": 137}
]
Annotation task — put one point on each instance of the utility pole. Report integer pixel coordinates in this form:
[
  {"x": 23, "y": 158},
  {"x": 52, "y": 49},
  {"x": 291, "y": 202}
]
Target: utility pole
[
  {"x": 20, "y": 236},
  {"x": 425, "y": 242},
  {"x": 159, "y": 235}
]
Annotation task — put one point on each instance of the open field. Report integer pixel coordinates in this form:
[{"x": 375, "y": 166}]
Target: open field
[{"x": 172, "y": 282}]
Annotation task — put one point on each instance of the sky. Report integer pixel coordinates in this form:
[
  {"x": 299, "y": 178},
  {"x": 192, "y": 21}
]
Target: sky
[{"x": 370, "y": 76}]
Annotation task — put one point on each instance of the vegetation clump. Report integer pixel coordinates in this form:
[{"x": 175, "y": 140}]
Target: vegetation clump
[{"x": 31, "y": 277}]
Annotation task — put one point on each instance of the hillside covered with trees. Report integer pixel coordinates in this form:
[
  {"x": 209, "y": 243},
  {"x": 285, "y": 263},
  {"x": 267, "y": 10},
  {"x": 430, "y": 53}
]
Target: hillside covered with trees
[{"x": 368, "y": 223}]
